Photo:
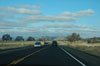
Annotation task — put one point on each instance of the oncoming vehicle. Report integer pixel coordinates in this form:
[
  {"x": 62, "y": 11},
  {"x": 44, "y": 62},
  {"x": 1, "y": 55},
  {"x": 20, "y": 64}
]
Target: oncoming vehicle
[
  {"x": 54, "y": 43},
  {"x": 38, "y": 44}
]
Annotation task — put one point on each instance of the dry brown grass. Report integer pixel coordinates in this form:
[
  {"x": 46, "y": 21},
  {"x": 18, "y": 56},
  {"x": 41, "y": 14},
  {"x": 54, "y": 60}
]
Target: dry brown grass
[
  {"x": 80, "y": 45},
  {"x": 93, "y": 49},
  {"x": 16, "y": 44}
]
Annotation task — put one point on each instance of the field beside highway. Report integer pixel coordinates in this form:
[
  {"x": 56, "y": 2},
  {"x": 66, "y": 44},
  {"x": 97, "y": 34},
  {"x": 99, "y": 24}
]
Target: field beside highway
[
  {"x": 93, "y": 49},
  {"x": 15, "y": 44}
]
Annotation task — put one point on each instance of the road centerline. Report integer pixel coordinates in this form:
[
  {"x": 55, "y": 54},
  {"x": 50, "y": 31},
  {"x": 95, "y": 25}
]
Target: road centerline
[
  {"x": 73, "y": 57},
  {"x": 23, "y": 58}
]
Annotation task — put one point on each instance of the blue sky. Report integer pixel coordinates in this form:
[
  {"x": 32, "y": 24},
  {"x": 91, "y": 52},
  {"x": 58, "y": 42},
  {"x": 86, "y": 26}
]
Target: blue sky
[{"x": 50, "y": 17}]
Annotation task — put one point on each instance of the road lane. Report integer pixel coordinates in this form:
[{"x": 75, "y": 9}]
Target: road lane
[
  {"x": 50, "y": 56},
  {"x": 87, "y": 59},
  {"x": 13, "y": 50},
  {"x": 25, "y": 57},
  {"x": 73, "y": 57},
  {"x": 7, "y": 58}
]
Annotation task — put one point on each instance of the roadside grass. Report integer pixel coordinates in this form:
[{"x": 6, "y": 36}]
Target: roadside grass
[
  {"x": 4, "y": 45},
  {"x": 93, "y": 48},
  {"x": 15, "y": 44}
]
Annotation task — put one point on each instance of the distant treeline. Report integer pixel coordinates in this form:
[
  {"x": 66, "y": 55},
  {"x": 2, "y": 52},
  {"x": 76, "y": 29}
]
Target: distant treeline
[
  {"x": 7, "y": 37},
  {"x": 94, "y": 40},
  {"x": 76, "y": 37},
  {"x": 72, "y": 38}
]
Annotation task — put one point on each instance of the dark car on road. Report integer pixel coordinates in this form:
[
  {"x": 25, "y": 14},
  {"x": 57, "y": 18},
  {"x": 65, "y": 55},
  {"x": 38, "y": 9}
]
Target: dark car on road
[
  {"x": 45, "y": 43},
  {"x": 54, "y": 43}
]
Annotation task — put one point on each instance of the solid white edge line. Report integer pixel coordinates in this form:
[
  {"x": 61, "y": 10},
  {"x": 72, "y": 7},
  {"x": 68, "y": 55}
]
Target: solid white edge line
[{"x": 73, "y": 57}]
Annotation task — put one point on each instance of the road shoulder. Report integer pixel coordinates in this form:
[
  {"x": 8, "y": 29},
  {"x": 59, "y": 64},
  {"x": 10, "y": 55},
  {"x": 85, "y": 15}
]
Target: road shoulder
[{"x": 84, "y": 57}]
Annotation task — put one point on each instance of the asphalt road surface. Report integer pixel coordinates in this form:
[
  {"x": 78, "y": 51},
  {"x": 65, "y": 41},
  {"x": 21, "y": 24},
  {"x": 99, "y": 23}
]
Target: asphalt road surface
[{"x": 47, "y": 56}]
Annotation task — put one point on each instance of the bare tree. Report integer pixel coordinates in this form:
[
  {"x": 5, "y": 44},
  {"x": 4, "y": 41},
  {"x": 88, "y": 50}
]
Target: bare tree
[{"x": 74, "y": 37}]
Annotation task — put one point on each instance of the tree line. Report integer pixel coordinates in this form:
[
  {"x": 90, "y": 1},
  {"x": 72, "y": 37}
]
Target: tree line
[
  {"x": 71, "y": 38},
  {"x": 76, "y": 37},
  {"x": 94, "y": 40},
  {"x": 7, "y": 37}
]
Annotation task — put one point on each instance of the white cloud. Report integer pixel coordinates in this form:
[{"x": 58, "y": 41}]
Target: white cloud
[
  {"x": 11, "y": 25},
  {"x": 28, "y": 6},
  {"x": 85, "y": 13},
  {"x": 88, "y": 12},
  {"x": 37, "y": 17},
  {"x": 64, "y": 26},
  {"x": 58, "y": 30},
  {"x": 6, "y": 16},
  {"x": 66, "y": 16},
  {"x": 47, "y": 18},
  {"x": 21, "y": 27},
  {"x": 20, "y": 10},
  {"x": 2, "y": 14}
]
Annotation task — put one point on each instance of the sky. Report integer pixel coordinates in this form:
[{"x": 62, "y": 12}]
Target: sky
[{"x": 50, "y": 17}]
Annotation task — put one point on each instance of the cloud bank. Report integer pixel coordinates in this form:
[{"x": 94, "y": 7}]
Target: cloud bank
[
  {"x": 20, "y": 10},
  {"x": 29, "y": 15}
]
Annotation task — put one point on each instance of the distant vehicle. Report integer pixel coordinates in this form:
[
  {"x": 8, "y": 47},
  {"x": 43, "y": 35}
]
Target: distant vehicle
[
  {"x": 54, "y": 43},
  {"x": 38, "y": 44},
  {"x": 45, "y": 43}
]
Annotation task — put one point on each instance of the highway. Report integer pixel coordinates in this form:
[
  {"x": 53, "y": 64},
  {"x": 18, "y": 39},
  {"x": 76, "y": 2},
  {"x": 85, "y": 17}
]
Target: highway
[{"x": 47, "y": 56}]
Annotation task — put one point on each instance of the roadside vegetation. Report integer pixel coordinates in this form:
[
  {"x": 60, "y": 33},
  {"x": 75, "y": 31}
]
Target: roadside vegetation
[
  {"x": 75, "y": 41},
  {"x": 91, "y": 48},
  {"x": 15, "y": 44},
  {"x": 88, "y": 45},
  {"x": 8, "y": 42}
]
